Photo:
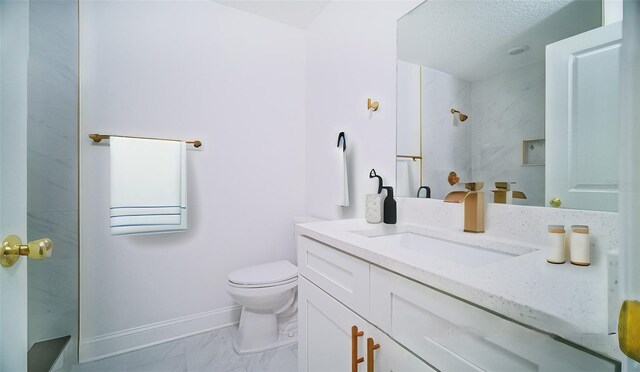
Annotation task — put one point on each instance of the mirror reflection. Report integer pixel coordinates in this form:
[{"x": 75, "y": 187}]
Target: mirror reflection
[{"x": 475, "y": 100}]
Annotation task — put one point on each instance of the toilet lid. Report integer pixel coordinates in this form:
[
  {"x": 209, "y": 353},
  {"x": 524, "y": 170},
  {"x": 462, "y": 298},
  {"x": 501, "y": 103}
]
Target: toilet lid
[{"x": 270, "y": 273}]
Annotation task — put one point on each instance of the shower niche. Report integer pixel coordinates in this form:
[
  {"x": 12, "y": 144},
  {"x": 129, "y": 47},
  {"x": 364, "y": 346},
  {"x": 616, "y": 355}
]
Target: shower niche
[{"x": 533, "y": 152}]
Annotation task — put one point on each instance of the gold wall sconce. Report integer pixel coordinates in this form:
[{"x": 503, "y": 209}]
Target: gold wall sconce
[
  {"x": 461, "y": 116},
  {"x": 373, "y": 106}
]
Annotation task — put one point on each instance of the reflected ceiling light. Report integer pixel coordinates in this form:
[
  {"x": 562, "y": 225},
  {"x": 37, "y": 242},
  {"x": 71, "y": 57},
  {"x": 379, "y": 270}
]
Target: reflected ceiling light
[{"x": 518, "y": 50}]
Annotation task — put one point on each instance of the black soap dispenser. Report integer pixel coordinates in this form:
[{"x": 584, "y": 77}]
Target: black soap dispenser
[{"x": 390, "y": 213}]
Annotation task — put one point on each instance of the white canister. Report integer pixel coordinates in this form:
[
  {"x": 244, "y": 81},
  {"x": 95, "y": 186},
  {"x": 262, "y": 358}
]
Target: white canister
[
  {"x": 580, "y": 245},
  {"x": 556, "y": 253},
  {"x": 374, "y": 208}
]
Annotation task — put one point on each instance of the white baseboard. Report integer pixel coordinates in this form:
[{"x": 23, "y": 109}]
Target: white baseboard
[{"x": 120, "y": 342}]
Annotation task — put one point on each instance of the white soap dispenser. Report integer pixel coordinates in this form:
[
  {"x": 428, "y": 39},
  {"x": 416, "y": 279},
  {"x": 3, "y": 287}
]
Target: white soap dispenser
[{"x": 374, "y": 202}]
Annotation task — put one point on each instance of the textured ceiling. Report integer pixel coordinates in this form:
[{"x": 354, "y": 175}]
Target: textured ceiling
[
  {"x": 471, "y": 38},
  {"x": 297, "y": 13}
]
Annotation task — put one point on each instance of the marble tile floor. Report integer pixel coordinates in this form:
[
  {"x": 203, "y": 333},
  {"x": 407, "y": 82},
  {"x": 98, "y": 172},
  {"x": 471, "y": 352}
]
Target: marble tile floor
[{"x": 211, "y": 352}]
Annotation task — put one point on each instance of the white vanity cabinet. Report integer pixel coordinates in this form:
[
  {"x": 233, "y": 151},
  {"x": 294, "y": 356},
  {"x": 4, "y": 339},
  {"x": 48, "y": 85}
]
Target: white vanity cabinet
[
  {"x": 327, "y": 334},
  {"x": 455, "y": 335},
  {"x": 417, "y": 327}
]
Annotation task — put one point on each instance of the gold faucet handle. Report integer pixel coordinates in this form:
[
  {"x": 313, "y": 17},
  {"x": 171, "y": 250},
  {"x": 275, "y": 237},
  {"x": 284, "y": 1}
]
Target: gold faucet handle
[
  {"x": 40, "y": 249},
  {"x": 519, "y": 195},
  {"x": 474, "y": 186}
]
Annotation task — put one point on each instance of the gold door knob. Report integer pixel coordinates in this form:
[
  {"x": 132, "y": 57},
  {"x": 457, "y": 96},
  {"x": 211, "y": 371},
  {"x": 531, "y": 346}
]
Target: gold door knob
[
  {"x": 371, "y": 346},
  {"x": 629, "y": 329},
  {"x": 12, "y": 249},
  {"x": 555, "y": 202}
]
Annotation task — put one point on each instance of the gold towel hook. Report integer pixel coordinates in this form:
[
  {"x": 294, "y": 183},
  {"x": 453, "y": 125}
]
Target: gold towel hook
[{"x": 373, "y": 106}]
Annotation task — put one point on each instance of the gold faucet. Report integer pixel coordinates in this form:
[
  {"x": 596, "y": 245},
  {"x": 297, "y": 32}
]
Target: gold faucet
[
  {"x": 504, "y": 195},
  {"x": 473, "y": 200}
]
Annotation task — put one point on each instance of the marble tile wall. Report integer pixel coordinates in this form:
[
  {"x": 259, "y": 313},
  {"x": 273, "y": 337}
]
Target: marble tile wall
[
  {"x": 445, "y": 140},
  {"x": 505, "y": 110},
  {"x": 52, "y": 172}
]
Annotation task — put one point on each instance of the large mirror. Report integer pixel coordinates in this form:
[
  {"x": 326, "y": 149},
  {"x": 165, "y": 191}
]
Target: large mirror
[{"x": 521, "y": 95}]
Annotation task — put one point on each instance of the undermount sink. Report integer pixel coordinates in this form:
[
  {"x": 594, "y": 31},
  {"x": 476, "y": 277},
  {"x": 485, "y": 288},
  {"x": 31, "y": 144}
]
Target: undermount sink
[{"x": 459, "y": 253}]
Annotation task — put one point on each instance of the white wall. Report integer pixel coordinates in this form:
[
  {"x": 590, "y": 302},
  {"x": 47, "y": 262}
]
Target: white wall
[
  {"x": 408, "y": 101},
  {"x": 351, "y": 55},
  {"x": 192, "y": 70}
]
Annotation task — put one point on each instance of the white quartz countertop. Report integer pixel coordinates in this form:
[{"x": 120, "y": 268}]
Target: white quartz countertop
[{"x": 564, "y": 300}]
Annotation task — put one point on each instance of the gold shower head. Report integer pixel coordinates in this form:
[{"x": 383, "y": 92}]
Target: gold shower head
[{"x": 461, "y": 116}]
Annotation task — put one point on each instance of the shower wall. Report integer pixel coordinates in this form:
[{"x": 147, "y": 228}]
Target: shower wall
[
  {"x": 446, "y": 143},
  {"x": 506, "y": 109},
  {"x": 52, "y": 171}
]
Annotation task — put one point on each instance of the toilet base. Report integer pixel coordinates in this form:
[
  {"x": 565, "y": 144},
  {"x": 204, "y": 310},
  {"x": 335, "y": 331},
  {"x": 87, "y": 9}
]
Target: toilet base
[
  {"x": 283, "y": 341},
  {"x": 259, "y": 332}
]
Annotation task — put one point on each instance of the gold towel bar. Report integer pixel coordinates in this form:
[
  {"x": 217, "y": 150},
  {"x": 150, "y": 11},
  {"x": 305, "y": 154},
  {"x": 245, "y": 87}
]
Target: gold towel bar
[
  {"x": 414, "y": 157},
  {"x": 99, "y": 137}
]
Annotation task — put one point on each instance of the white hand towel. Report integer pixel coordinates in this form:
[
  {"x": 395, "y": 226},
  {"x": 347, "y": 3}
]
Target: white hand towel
[
  {"x": 408, "y": 177},
  {"x": 148, "y": 186},
  {"x": 342, "y": 178}
]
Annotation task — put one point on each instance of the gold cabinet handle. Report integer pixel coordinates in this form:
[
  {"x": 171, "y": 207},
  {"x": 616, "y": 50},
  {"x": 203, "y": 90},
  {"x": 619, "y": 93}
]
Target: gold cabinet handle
[
  {"x": 371, "y": 346},
  {"x": 555, "y": 202},
  {"x": 12, "y": 249},
  {"x": 354, "y": 348}
]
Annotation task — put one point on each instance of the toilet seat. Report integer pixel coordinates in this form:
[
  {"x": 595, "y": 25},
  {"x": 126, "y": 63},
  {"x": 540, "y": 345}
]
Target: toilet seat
[
  {"x": 277, "y": 284},
  {"x": 265, "y": 275}
]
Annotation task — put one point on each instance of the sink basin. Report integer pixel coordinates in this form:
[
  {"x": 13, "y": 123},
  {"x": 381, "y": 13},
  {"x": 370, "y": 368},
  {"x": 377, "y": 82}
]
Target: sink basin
[{"x": 459, "y": 253}]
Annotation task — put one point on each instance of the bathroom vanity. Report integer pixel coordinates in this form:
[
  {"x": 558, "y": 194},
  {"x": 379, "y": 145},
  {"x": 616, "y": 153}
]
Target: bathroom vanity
[{"x": 415, "y": 297}]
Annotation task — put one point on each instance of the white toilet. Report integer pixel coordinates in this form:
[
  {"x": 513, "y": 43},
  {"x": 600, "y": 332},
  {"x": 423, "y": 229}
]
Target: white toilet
[{"x": 268, "y": 295}]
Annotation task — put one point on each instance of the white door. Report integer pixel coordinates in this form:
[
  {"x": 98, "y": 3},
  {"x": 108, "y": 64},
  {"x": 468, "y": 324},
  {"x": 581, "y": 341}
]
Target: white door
[
  {"x": 14, "y": 31},
  {"x": 325, "y": 327},
  {"x": 583, "y": 119},
  {"x": 629, "y": 272}
]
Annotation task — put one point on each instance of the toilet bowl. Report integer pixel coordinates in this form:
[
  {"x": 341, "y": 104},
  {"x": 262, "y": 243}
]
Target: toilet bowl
[{"x": 268, "y": 295}]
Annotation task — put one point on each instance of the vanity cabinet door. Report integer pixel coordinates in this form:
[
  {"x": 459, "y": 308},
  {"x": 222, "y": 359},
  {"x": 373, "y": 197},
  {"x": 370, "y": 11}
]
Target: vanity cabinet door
[
  {"x": 324, "y": 332},
  {"x": 344, "y": 277},
  {"x": 453, "y": 335},
  {"x": 390, "y": 356},
  {"x": 325, "y": 338}
]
